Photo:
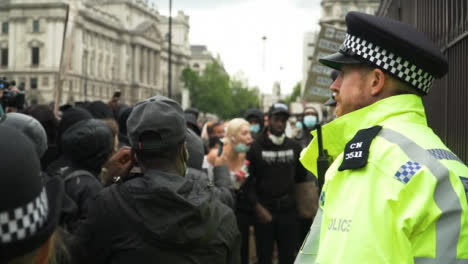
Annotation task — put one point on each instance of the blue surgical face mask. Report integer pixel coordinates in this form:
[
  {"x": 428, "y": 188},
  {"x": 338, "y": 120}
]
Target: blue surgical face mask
[
  {"x": 255, "y": 128},
  {"x": 310, "y": 121},
  {"x": 298, "y": 125},
  {"x": 241, "y": 148}
]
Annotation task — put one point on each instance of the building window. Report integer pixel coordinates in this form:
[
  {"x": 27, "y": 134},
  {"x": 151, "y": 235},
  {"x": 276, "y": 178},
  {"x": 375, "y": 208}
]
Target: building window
[
  {"x": 5, "y": 28},
  {"x": 35, "y": 56},
  {"x": 33, "y": 83},
  {"x": 36, "y": 25},
  {"x": 4, "y": 56},
  {"x": 45, "y": 81}
]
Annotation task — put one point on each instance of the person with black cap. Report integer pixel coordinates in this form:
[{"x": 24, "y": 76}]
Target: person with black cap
[
  {"x": 30, "y": 207},
  {"x": 160, "y": 216},
  {"x": 218, "y": 177},
  {"x": 191, "y": 117},
  {"x": 45, "y": 115},
  {"x": 122, "y": 122},
  {"x": 255, "y": 118},
  {"x": 274, "y": 170},
  {"x": 192, "y": 123},
  {"x": 394, "y": 192}
]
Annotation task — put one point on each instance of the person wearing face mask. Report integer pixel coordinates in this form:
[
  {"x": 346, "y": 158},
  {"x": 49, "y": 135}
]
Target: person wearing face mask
[
  {"x": 255, "y": 119},
  {"x": 275, "y": 169},
  {"x": 236, "y": 144},
  {"x": 309, "y": 123},
  {"x": 162, "y": 215}
]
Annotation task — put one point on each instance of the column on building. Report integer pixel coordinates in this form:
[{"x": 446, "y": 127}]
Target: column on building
[
  {"x": 150, "y": 67},
  {"x": 78, "y": 62},
  {"x": 157, "y": 70},
  {"x": 136, "y": 64},
  {"x": 141, "y": 65},
  {"x": 147, "y": 65}
]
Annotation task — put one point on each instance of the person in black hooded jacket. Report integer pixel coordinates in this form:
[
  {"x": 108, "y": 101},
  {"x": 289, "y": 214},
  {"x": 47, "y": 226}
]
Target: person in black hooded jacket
[
  {"x": 255, "y": 119},
  {"x": 221, "y": 182},
  {"x": 70, "y": 117},
  {"x": 86, "y": 146},
  {"x": 161, "y": 216}
]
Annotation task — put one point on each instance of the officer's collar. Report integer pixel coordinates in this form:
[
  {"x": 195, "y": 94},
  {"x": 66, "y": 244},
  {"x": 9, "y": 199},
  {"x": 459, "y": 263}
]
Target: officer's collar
[{"x": 336, "y": 134}]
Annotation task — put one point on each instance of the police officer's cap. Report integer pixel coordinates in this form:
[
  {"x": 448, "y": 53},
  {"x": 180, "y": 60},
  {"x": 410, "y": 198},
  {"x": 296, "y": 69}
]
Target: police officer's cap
[{"x": 392, "y": 46}]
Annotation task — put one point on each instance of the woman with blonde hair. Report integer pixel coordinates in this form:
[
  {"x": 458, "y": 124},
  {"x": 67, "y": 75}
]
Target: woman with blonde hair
[{"x": 236, "y": 142}]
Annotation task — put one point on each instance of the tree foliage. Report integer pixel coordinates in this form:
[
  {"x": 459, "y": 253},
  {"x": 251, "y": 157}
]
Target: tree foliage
[
  {"x": 295, "y": 93},
  {"x": 215, "y": 92}
]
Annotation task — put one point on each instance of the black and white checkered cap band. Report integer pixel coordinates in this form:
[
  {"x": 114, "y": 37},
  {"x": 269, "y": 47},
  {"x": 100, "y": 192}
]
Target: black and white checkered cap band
[
  {"x": 24, "y": 221},
  {"x": 396, "y": 65}
]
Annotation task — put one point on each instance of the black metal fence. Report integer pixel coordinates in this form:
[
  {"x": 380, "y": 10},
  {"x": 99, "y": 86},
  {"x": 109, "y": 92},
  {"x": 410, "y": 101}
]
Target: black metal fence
[{"x": 446, "y": 23}]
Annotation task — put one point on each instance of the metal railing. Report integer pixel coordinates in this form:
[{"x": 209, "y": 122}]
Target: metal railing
[{"x": 446, "y": 23}]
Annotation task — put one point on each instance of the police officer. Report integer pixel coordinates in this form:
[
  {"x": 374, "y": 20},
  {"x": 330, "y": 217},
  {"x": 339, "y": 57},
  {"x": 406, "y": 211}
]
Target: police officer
[{"x": 394, "y": 192}]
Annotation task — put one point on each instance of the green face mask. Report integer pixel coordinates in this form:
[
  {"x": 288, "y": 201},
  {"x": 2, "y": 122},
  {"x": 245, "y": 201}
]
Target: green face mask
[
  {"x": 255, "y": 128},
  {"x": 241, "y": 148}
]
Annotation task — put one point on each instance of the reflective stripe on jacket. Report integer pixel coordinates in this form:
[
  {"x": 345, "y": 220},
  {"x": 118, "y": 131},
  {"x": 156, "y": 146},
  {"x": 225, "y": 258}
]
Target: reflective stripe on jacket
[{"x": 407, "y": 205}]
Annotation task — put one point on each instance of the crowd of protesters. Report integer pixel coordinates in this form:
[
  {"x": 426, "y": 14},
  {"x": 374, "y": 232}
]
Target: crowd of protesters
[
  {"x": 110, "y": 183},
  {"x": 150, "y": 183}
]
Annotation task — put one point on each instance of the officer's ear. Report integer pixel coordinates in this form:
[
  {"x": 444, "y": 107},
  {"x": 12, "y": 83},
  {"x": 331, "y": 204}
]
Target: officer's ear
[{"x": 377, "y": 81}]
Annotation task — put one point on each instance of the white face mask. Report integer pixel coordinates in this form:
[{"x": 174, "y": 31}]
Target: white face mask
[{"x": 277, "y": 140}]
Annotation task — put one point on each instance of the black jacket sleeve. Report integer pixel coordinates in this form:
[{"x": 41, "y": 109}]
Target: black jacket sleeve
[
  {"x": 233, "y": 238},
  {"x": 82, "y": 190},
  {"x": 223, "y": 185},
  {"x": 93, "y": 239},
  {"x": 301, "y": 172},
  {"x": 251, "y": 182}
]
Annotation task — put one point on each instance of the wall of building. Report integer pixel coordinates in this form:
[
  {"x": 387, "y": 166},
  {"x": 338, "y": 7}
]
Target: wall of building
[
  {"x": 334, "y": 11},
  {"x": 308, "y": 47},
  {"x": 117, "y": 45}
]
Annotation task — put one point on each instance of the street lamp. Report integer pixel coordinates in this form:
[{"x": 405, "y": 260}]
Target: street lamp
[
  {"x": 264, "y": 38},
  {"x": 169, "y": 87}
]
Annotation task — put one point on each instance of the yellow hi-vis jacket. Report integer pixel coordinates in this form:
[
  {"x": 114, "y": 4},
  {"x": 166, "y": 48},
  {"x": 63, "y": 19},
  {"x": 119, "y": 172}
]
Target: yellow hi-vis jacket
[{"x": 394, "y": 193}]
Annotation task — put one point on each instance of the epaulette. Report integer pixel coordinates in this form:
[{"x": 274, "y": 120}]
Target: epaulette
[{"x": 356, "y": 151}]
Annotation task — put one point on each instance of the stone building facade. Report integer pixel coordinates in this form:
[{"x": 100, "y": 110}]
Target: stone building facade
[
  {"x": 334, "y": 11},
  {"x": 118, "y": 45},
  {"x": 201, "y": 57}
]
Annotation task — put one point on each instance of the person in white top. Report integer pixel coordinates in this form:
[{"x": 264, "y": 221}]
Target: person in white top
[{"x": 237, "y": 141}]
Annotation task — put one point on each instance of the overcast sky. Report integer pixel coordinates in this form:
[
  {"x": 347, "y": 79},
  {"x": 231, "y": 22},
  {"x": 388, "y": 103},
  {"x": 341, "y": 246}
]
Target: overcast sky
[{"x": 234, "y": 30}]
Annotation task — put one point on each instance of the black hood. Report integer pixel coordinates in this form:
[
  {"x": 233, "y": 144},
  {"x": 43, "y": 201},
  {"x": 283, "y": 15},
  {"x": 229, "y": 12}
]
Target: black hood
[
  {"x": 195, "y": 149},
  {"x": 88, "y": 144},
  {"x": 255, "y": 113},
  {"x": 100, "y": 110},
  {"x": 186, "y": 207}
]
